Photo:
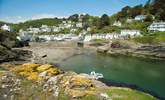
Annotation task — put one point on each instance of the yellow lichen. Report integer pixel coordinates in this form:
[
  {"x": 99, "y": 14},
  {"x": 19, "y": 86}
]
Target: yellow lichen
[
  {"x": 33, "y": 76},
  {"x": 80, "y": 81},
  {"x": 52, "y": 71},
  {"x": 30, "y": 65},
  {"x": 31, "y": 71},
  {"x": 43, "y": 67},
  {"x": 2, "y": 74}
]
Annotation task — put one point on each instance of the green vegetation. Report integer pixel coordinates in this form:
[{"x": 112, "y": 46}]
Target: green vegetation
[
  {"x": 31, "y": 91},
  {"x": 152, "y": 7},
  {"x": 151, "y": 38},
  {"x": 37, "y": 23},
  {"x": 127, "y": 94},
  {"x": 100, "y": 40},
  {"x": 90, "y": 97},
  {"x": 146, "y": 40}
]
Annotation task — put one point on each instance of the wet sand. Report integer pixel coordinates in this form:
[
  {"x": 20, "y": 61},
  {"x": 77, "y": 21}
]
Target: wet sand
[{"x": 53, "y": 52}]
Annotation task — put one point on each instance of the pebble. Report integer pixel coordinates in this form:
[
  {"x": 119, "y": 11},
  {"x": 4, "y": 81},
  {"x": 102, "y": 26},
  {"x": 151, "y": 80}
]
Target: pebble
[{"x": 5, "y": 96}]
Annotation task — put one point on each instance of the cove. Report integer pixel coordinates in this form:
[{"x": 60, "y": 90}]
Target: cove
[{"x": 146, "y": 74}]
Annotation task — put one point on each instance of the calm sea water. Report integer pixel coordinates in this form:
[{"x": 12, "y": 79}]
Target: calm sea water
[{"x": 146, "y": 74}]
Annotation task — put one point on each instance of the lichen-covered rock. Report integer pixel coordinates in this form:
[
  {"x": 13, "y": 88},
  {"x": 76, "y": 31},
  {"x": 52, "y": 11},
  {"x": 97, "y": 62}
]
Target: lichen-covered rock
[
  {"x": 34, "y": 76},
  {"x": 77, "y": 86},
  {"x": 44, "y": 67},
  {"x": 35, "y": 71},
  {"x": 52, "y": 71},
  {"x": 80, "y": 82},
  {"x": 2, "y": 73}
]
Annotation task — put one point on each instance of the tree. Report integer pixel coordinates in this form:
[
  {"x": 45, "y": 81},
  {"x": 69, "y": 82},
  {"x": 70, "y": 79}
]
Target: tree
[
  {"x": 137, "y": 10},
  {"x": 147, "y": 7},
  {"x": 149, "y": 18},
  {"x": 104, "y": 21},
  {"x": 125, "y": 12},
  {"x": 157, "y": 9},
  {"x": 74, "y": 17}
]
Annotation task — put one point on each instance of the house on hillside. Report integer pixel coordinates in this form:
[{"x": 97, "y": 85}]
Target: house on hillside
[
  {"x": 101, "y": 36},
  {"x": 157, "y": 26},
  {"x": 79, "y": 25},
  {"x": 45, "y": 28},
  {"x": 34, "y": 30},
  {"x": 25, "y": 35},
  {"x": 6, "y": 27},
  {"x": 130, "y": 33},
  {"x": 129, "y": 20},
  {"x": 140, "y": 17},
  {"x": 117, "y": 23},
  {"x": 55, "y": 29}
]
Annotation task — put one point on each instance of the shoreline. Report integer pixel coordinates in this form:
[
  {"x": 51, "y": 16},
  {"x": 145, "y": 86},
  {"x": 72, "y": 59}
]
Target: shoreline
[
  {"x": 131, "y": 86},
  {"x": 153, "y": 52},
  {"x": 71, "y": 51}
]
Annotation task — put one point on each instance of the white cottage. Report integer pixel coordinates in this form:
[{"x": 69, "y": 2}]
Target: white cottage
[
  {"x": 25, "y": 36},
  {"x": 140, "y": 17},
  {"x": 101, "y": 36},
  {"x": 117, "y": 23},
  {"x": 131, "y": 33},
  {"x": 45, "y": 28},
  {"x": 159, "y": 26},
  {"x": 79, "y": 24},
  {"x": 6, "y": 27}
]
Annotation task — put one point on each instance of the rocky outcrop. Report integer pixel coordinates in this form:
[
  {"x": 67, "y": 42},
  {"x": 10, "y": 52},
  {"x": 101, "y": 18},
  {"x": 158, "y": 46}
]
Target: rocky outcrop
[
  {"x": 7, "y": 54},
  {"x": 144, "y": 51},
  {"x": 38, "y": 82}
]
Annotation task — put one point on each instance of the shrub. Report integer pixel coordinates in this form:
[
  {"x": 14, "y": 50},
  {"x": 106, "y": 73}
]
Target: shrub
[{"x": 146, "y": 39}]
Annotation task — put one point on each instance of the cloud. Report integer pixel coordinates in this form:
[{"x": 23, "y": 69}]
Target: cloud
[
  {"x": 40, "y": 16},
  {"x": 14, "y": 19},
  {"x": 18, "y": 19}
]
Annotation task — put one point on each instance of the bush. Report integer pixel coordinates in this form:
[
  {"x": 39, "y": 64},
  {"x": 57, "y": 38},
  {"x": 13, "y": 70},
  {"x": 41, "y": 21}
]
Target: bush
[{"x": 146, "y": 39}]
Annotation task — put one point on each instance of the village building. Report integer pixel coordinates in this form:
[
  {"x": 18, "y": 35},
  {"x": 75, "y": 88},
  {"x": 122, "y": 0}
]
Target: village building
[
  {"x": 33, "y": 30},
  {"x": 79, "y": 25},
  {"x": 101, "y": 36},
  {"x": 45, "y": 28},
  {"x": 6, "y": 27},
  {"x": 25, "y": 36},
  {"x": 117, "y": 23},
  {"x": 55, "y": 29},
  {"x": 157, "y": 26},
  {"x": 131, "y": 33},
  {"x": 129, "y": 20},
  {"x": 140, "y": 17}
]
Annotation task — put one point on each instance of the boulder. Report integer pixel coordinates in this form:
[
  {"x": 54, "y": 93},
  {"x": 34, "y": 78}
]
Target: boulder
[{"x": 103, "y": 49}]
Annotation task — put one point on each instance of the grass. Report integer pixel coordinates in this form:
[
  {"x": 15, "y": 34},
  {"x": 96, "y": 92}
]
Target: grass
[
  {"x": 151, "y": 38},
  {"x": 90, "y": 97},
  {"x": 128, "y": 94},
  {"x": 32, "y": 91},
  {"x": 100, "y": 40}
]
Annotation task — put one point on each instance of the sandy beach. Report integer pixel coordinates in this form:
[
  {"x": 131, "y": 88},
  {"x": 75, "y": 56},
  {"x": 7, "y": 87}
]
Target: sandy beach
[{"x": 53, "y": 52}]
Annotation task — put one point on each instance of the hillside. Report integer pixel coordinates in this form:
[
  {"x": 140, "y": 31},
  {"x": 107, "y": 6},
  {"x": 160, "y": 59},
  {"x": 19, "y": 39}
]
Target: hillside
[
  {"x": 37, "y": 23},
  {"x": 152, "y": 7}
]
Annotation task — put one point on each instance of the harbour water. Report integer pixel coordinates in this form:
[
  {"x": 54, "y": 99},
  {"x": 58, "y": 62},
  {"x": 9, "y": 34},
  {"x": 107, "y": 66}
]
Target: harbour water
[{"x": 146, "y": 74}]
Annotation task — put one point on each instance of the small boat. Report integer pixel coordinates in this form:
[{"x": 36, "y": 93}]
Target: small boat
[{"x": 95, "y": 75}]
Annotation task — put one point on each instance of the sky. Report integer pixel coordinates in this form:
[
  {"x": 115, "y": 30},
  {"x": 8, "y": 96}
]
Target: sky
[{"x": 21, "y": 10}]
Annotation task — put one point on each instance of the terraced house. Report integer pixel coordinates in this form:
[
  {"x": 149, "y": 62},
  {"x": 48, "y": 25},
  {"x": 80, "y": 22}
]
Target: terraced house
[{"x": 157, "y": 26}]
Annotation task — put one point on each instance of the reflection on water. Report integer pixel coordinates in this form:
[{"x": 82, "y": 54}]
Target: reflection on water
[{"x": 147, "y": 74}]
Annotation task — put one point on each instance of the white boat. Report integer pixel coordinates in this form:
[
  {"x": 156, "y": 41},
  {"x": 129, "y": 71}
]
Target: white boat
[{"x": 95, "y": 75}]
